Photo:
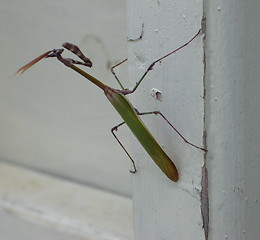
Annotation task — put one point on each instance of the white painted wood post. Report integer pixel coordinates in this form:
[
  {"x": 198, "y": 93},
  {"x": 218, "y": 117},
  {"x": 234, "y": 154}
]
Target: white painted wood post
[
  {"x": 164, "y": 209},
  {"x": 233, "y": 117},
  {"x": 229, "y": 83}
]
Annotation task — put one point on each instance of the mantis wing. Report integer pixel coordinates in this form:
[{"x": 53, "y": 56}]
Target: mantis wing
[{"x": 134, "y": 122}]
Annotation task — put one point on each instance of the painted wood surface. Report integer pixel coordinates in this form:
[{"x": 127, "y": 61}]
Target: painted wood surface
[
  {"x": 233, "y": 116},
  {"x": 163, "y": 209},
  {"x": 37, "y": 204}
]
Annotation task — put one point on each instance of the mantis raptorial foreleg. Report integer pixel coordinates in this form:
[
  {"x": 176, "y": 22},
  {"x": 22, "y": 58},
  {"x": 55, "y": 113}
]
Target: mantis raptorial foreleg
[{"x": 75, "y": 49}]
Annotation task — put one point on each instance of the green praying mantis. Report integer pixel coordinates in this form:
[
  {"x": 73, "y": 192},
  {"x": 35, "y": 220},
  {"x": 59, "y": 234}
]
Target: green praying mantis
[{"x": 130, "y": 115}]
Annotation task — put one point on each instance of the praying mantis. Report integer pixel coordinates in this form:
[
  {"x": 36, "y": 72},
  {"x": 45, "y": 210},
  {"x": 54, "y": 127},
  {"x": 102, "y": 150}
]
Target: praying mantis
[{"x": 130, "y": 115}]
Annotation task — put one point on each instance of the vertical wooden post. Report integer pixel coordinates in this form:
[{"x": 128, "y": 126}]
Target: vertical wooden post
[
  {"x": 229, "y": 85},
  {"x": 233, "y": 117},
  {"x": 164, "y": 209}
]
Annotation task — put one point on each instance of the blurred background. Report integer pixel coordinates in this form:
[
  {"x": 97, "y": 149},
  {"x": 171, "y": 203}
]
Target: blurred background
[{"x": 52, "y": 120}]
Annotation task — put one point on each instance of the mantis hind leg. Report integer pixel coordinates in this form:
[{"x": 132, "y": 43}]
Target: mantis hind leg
[
  {"x": 175, "y": 129},
  {"x": 115, "y": 128}
]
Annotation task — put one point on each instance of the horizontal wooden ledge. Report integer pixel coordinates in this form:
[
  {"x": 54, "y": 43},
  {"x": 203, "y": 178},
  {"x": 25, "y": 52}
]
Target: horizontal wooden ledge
[{"x": 65, "y": 206}]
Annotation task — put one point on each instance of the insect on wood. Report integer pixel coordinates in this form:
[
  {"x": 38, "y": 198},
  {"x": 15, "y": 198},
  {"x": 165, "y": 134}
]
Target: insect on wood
[{"x": 130, "y": 115}]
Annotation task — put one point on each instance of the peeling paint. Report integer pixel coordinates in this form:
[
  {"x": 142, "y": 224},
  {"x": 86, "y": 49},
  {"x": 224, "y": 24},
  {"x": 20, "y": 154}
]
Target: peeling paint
[{"x": 157, "y": 94}]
